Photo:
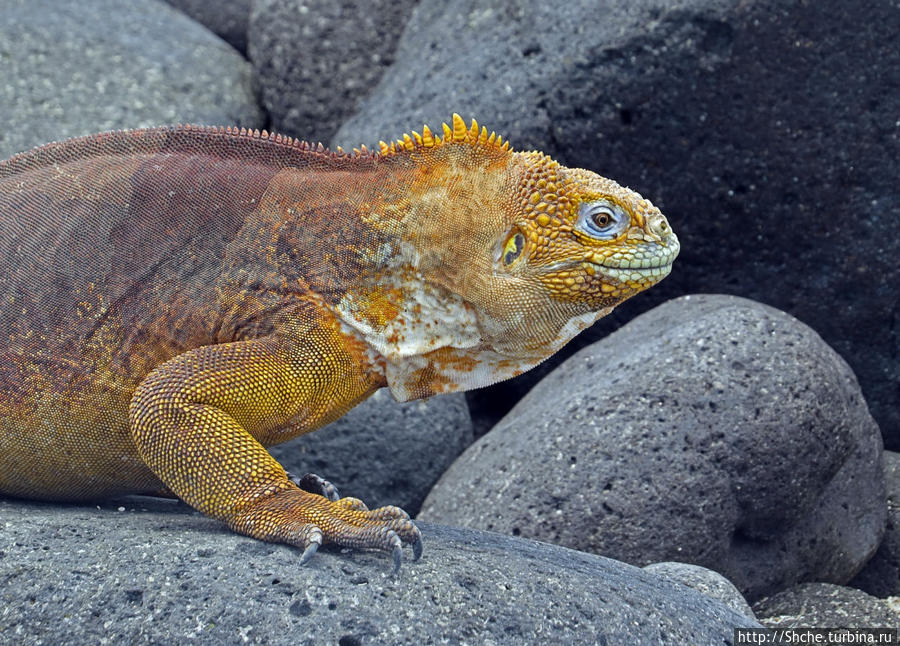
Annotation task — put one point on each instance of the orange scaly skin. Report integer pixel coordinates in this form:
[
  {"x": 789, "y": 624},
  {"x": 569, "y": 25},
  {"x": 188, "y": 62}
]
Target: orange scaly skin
[{"x": 176, "y": 299}]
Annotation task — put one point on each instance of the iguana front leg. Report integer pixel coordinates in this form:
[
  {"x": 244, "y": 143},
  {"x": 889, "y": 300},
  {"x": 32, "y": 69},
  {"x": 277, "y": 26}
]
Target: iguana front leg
[{"x": 200, "y": 421}]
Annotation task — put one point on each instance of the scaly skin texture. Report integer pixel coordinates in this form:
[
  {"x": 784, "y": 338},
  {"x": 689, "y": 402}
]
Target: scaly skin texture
[{"x": 175, "y": 300}]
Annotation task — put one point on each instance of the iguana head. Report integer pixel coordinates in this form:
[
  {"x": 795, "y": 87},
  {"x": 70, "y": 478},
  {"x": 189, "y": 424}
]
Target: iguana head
[
  {"x": 575, "y": 245},
  {"x": 510, "y": 253}
]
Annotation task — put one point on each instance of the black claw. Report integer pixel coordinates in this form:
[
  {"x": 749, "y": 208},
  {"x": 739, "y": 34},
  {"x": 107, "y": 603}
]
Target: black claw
[
  {"x": 309, "y": 552},
  {"x": 398, "y": 558},
  {"x": 417, "y": 548},
  {"x": 316, "y": 484}
]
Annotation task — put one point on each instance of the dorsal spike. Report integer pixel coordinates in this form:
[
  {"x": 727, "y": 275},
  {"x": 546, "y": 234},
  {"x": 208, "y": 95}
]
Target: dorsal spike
[
  {"x": 427, "y": 137},
  {"x": 474, "y": 134},
  {"x": 473, "y": 131},
  {"x": 339, "y": 150},
  {"x": 459, "y": 128}
]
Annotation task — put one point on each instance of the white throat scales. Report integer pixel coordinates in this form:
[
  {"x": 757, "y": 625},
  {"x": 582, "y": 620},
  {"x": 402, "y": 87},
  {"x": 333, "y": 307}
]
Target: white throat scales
[{"x": 417, "y": 329}]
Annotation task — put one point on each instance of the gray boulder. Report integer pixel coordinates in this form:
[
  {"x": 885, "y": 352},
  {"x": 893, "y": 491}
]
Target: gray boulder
[
  {"x": 704, "y": 580},
  {"x": 73, "y": 69},
  {"x": 711, "y": 430},
  {"x": 382, "y": 451},
  {"x": 317, "y": 59},
  {"x": 825, "y": 605},
  {"x": 154, "y": 572},
  {"x": 881, "y": 575},
  {"x": 228, "y": 19},
  {"x": 765, "y": 130}
]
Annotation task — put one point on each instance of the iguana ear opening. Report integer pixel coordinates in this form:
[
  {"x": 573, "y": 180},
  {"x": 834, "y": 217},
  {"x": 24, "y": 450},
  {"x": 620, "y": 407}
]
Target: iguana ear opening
[{"x": 512, "y": 249}]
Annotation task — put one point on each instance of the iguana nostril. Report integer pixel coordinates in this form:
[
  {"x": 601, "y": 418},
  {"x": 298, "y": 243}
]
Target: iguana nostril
[{"x": 658, "y": 226}]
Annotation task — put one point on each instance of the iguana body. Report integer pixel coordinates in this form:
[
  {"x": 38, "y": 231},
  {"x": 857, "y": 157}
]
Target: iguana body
[{"x": 176, "y": 299}]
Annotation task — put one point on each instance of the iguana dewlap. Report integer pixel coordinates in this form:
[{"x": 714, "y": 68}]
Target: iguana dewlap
[{"x": 174, "y": 300}]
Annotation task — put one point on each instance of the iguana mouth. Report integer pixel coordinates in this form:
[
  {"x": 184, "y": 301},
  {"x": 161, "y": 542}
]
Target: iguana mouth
[
  {"x": 643, "y": 258},
  {"x": 606, "y": 268},
  {"x": 635, "y": 274},
  {"x": 652, "y": 261}
]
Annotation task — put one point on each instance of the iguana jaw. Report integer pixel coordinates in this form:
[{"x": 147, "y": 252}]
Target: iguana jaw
[
  {"x": 648, "y": 275},
  {"x": 647, "y": 267},
  {"x": 650, "y": 269}
]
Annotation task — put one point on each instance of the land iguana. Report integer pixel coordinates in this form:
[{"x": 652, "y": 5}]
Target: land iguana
[{"x": 173, "y": 300}]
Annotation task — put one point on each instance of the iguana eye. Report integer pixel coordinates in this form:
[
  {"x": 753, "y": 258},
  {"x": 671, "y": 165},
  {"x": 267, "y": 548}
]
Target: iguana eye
[
  {"x": 602, "y": 219},
  {"x": 513, "y": 248}
]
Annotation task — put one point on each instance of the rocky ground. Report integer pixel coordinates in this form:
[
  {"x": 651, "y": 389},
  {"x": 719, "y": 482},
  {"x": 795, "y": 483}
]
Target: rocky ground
[
  {"x": 731, "y": 449},
  {"x": 157, "y": 572}
]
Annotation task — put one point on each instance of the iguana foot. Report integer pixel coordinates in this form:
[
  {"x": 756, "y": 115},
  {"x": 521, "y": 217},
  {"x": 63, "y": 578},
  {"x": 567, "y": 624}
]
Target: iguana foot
[{"x": 308, "y": 520}]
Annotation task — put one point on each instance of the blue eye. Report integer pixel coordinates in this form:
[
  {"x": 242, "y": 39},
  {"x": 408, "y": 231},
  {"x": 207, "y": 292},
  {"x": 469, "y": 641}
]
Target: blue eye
[{"x": 602, "y": 219}]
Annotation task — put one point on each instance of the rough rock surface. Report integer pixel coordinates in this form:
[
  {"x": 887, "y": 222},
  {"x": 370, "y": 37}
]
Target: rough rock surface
[
  {"x": 226, "y": 18},
  {"x": 711, "y": 430},
  {"x": 159, "y": 573},
  {"x": 825, "y": 605},
  {"x": 384, "y": 452},
  {"x": 316, "y": 59},
  {"x": 704, "y": 580},
  {"x": 767, "y": 131},
  {"x": 881, "y": 575},
  {"x": 77, "y": 68}
]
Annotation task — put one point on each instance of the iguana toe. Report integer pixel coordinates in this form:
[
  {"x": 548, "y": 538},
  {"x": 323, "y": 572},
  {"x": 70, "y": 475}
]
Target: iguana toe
[{"x": 353, "y": 504}]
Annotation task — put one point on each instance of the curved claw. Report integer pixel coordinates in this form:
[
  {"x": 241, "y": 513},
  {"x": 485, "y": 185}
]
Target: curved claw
[
  {"x": 309, "y": 552},
  {"x": 417, "y": 548},
  {"x": 398, "y": 558}
]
